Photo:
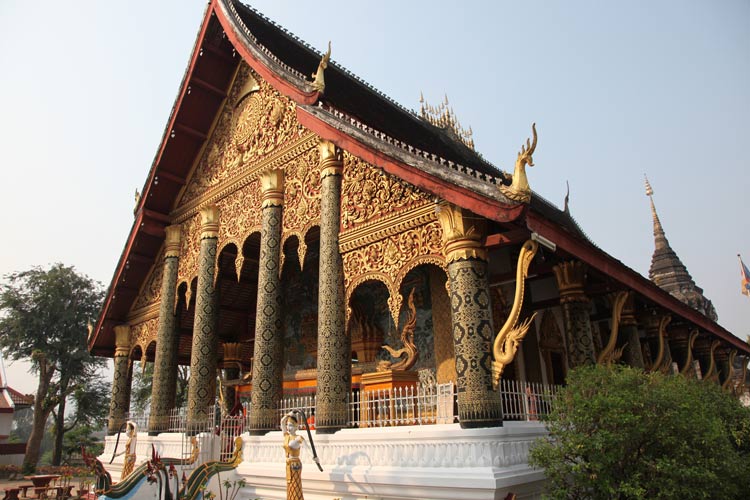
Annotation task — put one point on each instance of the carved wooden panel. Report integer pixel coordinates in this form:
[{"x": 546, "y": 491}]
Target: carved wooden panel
[{"x": 150, "y": 292}]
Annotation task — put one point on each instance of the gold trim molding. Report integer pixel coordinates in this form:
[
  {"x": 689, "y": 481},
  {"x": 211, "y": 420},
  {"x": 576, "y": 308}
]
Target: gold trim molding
[
  {"x": 380, "y": 229},
  {"x": 245, "y": 177}
]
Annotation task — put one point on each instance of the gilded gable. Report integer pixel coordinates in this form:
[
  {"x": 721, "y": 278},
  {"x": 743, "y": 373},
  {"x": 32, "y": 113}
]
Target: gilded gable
[{"x": 256, "y": 123}]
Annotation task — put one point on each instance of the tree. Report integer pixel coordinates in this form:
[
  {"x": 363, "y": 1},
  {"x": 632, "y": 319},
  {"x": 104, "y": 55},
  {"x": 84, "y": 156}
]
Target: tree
[
  {"x": 621, "y": 433},
  {"x": 140, "y": 394},
  {"x": 44, "y": 315}
]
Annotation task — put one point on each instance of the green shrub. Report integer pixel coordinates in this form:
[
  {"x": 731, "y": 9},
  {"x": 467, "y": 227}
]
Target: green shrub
[{"x": 621, "y": 433}]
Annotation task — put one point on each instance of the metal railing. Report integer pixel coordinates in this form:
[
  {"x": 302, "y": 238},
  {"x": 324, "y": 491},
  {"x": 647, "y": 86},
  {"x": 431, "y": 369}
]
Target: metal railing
[
  {"x": 526, "y": 400},
  {"x": 418, "y": 404},
  {"x": 408, "y": 405}
]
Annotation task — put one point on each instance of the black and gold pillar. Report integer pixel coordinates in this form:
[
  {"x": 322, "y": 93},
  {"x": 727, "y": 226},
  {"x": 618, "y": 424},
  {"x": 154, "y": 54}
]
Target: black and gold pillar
[
  {"x": 571, "y": 277},
  {"x": 203, "y": 355},
  {"x": 164, "y": 385},
  {"x": 471, "y": 317},
  {"x": 334, "y": 346},
  {"x": 633, "y": 354},
  {"x": 120, "y": 404},
  {"x": 268, "y": 350}
]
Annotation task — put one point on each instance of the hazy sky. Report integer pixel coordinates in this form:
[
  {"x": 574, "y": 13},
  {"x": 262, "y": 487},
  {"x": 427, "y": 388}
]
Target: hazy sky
[{"x": 617, "y": 89}]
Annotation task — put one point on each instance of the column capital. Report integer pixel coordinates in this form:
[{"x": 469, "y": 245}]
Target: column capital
[
  {"x": 122, "y": 340},
  {"x": 463, "y": 233},
  {"x": 172, "y": 242},
  {"x": 232, "y": 351},
  {"x": 571, "y": 278},
  {"x": 210, "y": 222},
  {"x": 272, "y": 188},
  {"x": 331, "y": 159}
]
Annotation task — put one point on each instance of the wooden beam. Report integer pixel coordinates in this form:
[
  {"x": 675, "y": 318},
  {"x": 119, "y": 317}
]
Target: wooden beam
[{"x": 207, "y": 86}]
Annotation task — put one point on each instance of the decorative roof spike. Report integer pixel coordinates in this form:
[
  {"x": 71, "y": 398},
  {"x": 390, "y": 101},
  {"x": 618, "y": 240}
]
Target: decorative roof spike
[
  {"x": 443, "y": 116},
  {"x": 658, "y": 229},
  {"x": 319, "y": 82}
]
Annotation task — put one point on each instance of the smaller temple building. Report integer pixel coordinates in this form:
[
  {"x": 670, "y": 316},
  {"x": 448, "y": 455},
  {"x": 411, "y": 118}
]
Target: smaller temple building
[{"x": 11, "y": 401}]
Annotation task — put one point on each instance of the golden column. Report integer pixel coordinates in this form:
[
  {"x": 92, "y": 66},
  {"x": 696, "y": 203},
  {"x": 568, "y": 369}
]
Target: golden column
[
  {"x": 164, "y": 385},
  {"x": 334, "y": 345},
  {"x": 268, "y": 351},
  {"x": 571, "y": 277},
  {"x": 120, "y": 403},
  {"x": 471, "y": 317},
  {"x": 203, "y": 355},
  {"x": 633, "y": 354}
]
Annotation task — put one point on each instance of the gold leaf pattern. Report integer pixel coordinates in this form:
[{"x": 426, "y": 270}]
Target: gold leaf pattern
[
  {"x": 249, "y": 129},
  {"x": 368, "y": 193},
  {"x": 189, "y": 250},
  {"x": 151, "y": 291}
]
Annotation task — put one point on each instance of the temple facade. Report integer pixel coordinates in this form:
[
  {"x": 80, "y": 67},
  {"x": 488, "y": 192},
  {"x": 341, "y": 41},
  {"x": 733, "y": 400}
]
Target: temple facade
[{"x": 306, "y": 237}]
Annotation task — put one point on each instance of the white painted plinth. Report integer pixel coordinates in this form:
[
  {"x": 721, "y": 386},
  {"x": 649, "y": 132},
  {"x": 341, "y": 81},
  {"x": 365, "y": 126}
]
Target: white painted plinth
[
  {"x": 431, "y": 462},
  {"x": 395, "y": 463}
]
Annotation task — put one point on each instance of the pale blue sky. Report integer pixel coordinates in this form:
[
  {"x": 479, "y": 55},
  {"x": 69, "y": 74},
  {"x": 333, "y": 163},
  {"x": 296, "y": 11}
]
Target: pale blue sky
[{"x": 616, "y": 89}]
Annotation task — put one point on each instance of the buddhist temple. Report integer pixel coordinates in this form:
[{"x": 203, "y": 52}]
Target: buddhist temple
[{"x": 304, "y": 242}]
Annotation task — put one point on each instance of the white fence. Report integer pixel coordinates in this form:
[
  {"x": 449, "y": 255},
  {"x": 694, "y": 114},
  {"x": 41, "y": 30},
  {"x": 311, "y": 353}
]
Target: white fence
[
  {"x": 526, "y": 400},
  {"x": 419, "y": 404}
]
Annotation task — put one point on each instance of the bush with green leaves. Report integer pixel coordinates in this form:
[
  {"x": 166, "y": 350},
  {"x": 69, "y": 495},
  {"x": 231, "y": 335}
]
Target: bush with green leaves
[{"x": 620, "y": 433}]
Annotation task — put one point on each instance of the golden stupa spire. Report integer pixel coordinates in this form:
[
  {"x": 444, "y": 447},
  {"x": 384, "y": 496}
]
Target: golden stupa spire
[{"x": 658, "y": 229}]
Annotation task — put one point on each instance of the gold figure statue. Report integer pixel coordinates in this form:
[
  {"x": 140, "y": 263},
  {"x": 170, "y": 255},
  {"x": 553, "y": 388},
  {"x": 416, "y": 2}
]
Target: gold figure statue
[
  {"x": 292, "y": 446},
  {"x": 407, "y": 338},
  {"x": 610, "y": 354},
  {"x": 319, "y": 82},
  {"x": 519, "y": 189},
  {"x": 511, "y": 334},
  {"x": 128, "y": 464}
]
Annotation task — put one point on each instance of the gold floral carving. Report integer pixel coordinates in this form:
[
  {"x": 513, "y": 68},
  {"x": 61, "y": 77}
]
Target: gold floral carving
[
  {"x": 150, "y": 292},
  {"x": 389, "y": 260},
  {"x": 240, "y": 217},
  {"x": 368, "y": 193},
  {"x": 142, "y": 334},
  {"x": 187, "y": 268},
  {"x": 256, "y": 120},
  {"x": 301, "y": 198}
]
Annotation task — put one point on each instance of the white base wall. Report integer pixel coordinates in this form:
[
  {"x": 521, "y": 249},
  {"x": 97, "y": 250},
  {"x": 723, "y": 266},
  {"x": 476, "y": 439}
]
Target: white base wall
[{"x": 432, "y": 462}]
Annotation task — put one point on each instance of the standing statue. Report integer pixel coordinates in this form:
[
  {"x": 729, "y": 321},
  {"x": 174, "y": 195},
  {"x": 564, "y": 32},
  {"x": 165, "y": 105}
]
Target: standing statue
[
  {"x": 292, "y": 446},
  {"x": 128, "y": 463}
]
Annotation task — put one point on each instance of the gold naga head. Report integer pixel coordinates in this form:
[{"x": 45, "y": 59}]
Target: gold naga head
[{"x": 524, "y": 156}]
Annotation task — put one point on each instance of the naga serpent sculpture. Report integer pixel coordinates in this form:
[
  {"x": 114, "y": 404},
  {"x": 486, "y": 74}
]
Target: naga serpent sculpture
[
  {"x": 656, "y": 365},
  {"x": 728, "y": 382},
  {"x": 511, "y": 334},
  {"x": 519, "y": 189},
  {"x": 712, "y": 374},
  {"x": 407, "y": 337},
  {"x": 687, "y": 369},
  {"x": 610, "y": 354}
]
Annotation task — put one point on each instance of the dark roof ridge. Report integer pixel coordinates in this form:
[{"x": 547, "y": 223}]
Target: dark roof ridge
[{"x": 301, "y": 82}]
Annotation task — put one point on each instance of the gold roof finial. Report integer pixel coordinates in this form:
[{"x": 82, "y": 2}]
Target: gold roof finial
[
  {"x": 443, "y": 116},
  {"x": 649, "y": 190},
  {"x": 319, "y": 82}
]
